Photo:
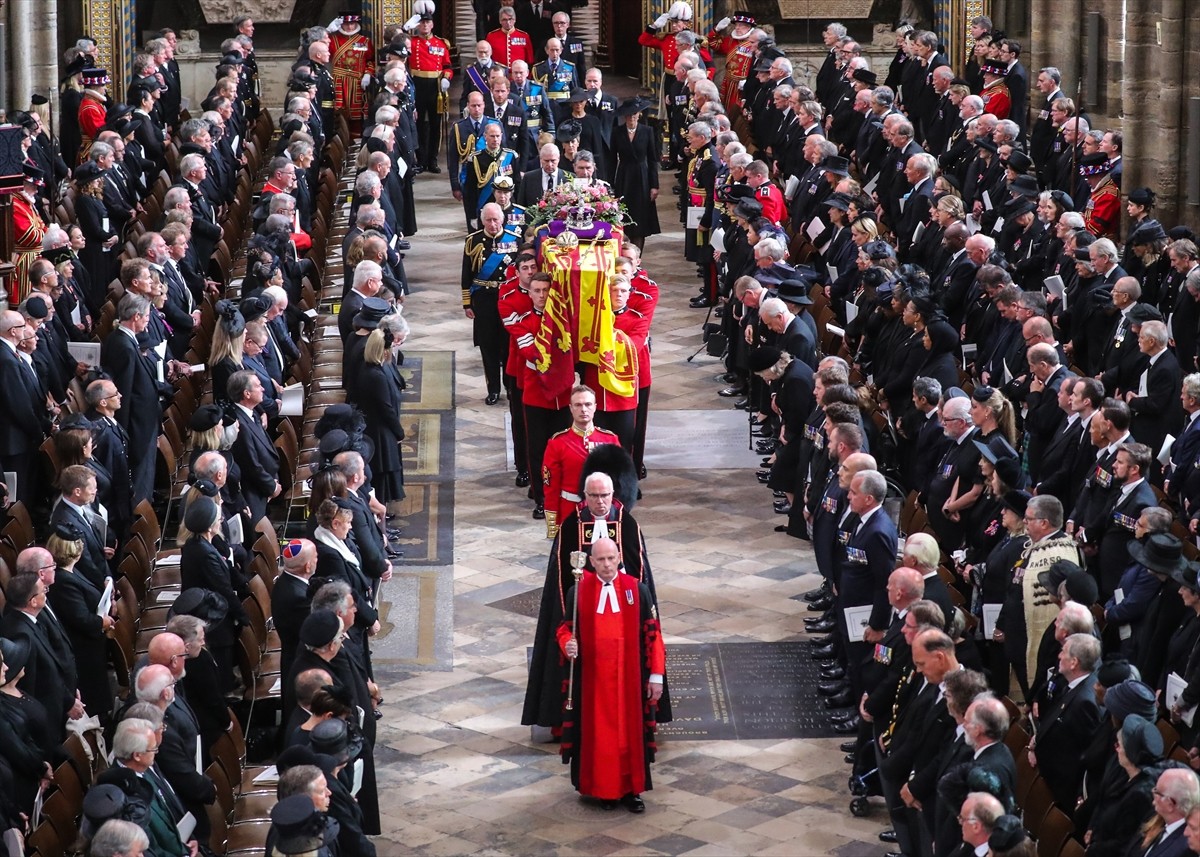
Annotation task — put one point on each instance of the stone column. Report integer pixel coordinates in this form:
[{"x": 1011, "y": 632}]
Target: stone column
[
  {"x": 43, "y": 54},
  {"x": 21, "y": 15}
]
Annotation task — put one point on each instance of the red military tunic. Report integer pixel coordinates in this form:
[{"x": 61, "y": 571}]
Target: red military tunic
[
  {"x": 430, "y": 58},
  {"x": 609, "y": 736},
  {"x": 28, "y": 232},
  {"x": 350, "y": 58},
  {"x": 521, "y": 322},
  {"x": 771, "y": 197},
  {"x": 643, "y": 298},
  {"x": 91, "y": 121},
  {"x": 739, "y": 59},
  {"x": 1103, "y": 211},
  {"x": 997, "y": 100},
  {"x": 562, "y": 466},
  {"x": 509, "y": 47}
]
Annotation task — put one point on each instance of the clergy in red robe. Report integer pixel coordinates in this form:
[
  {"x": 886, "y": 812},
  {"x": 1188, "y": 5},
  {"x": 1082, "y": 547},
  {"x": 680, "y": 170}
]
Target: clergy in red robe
[{"x": 617, "y": 648}]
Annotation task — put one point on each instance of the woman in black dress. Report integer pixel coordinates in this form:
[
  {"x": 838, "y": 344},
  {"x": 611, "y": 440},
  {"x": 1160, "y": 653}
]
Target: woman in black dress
[
  {"x": 592, "y": 137},
  {"x": 378, "y": 387},
  {"x": 636, "y": 179},
  {"x": 75, "y": 601},
  {"x": 201, "y": 565},
  {"x": 228, "y": 348},
  {"x": 25, "y": 747},
  {"x": 99, "y": 252}
]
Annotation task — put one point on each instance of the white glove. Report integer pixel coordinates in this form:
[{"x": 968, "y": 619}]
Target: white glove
[
  {"x": 412, "y": 22},
  {"x": 661, "y": 21},
  {"x": 445, "y": 84},
  {"x": 366, "y": 81},
  {"x": 723, "y": 23},
  {"x": 335, "y": 24}
]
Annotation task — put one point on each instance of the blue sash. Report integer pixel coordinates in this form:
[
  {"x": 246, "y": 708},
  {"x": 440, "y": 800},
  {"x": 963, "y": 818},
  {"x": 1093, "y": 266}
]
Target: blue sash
[{"x": 477, "y": 78}]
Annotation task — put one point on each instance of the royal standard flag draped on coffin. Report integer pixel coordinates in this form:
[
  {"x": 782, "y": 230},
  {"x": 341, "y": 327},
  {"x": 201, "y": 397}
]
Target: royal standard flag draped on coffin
[{"x": 578, "y": 321}]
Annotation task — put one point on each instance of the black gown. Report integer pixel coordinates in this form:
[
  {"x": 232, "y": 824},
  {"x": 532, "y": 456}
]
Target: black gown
[{"x": 636, "y": 175}]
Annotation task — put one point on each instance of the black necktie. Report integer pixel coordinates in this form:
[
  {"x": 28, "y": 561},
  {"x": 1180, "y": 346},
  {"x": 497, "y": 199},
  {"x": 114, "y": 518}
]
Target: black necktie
[{"x": 475, "y": 125}]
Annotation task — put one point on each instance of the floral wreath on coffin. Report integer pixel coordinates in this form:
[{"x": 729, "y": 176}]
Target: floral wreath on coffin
[{"x": 560, "y": 203}]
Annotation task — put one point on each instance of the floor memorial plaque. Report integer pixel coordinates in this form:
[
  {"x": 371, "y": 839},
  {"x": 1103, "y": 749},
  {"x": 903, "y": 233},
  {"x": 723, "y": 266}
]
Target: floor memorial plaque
[{"x": 744, "y": 691}]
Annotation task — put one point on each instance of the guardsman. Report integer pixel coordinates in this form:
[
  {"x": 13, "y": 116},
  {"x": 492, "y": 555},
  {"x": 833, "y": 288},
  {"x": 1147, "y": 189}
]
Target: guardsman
[
  {"x": 539, "y": 119},
  {"x": 738, "y": 48},
  {"x": 431, "y": 71},
  {"x": 28, "y": 231},
  {"x": 93, "y": 108},
  {"x": 487, "y": 253},
  {"x": 556, "y": 75},
  {"x": 352, "y": 55},
  {"x": 508, "y": 43},
  {"x": 1102, "y": 215},
  {"x": 466, "y": 138},
  {"x": 318, "y": 59}
]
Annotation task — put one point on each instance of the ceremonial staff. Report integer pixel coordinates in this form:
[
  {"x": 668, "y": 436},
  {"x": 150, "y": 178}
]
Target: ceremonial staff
[{"x": 578, "y": 560}]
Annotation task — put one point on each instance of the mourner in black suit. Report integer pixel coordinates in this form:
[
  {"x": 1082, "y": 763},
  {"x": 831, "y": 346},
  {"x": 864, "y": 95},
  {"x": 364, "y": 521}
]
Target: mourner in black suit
[
  {"x": 1065, "y": 727},
  {"x": 253, "y": 450},
  {"x": 74, "y": 600},
  {"x": 290, "y": 598},
  {"x": 49, "y": 673},
  {"x": 1155, "y": 402},
  {"x": 201, "y": 565}
]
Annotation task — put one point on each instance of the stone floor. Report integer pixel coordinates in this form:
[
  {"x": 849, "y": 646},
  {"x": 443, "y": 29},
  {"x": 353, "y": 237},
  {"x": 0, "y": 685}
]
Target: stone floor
[{"x": 458, "y": 773}]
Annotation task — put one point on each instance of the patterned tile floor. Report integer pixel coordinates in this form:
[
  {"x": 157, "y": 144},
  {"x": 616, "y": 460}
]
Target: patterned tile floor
[{"x": 458, "y": 773}]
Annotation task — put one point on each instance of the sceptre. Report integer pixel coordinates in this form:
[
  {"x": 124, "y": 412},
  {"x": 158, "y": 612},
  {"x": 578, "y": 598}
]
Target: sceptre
[{"x": 578, "y": 561}]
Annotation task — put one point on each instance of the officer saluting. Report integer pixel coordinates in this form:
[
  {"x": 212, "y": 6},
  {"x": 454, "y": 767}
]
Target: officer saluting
[
  {"x": 487, "y": 253},
  {"x": 431, "y": 71}
]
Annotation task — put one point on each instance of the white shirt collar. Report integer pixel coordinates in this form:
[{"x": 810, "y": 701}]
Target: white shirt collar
[{"x": 608, "y": 597}]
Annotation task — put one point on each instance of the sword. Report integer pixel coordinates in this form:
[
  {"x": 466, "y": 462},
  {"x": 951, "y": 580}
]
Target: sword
[{"x": 578, "y": 561}]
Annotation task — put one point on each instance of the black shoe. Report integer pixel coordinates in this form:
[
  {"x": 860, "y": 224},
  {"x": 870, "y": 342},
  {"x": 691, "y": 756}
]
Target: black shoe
[
  {"x": 850, "y": 758},
  {"x": 418, "y": 169},
  {"x": 539, "y": 512},
  {"x": 731, "y": 392},
  {"x": 847, "y": 726},
  {"x": 728, "y": 378},
  {"x": 492, "y": 398},
  {"x": 778, "y": 495},
  {"x": 888, "y": 836},
  {"x": 821, "y": 605},
  {"x": 832, "y": 673},
  {"x": 434, "y": 168},
  {"x": 765, "y": 446},
  {"x": 840, "y": 700},
  {"x": 633, "y": 803},
  {"x": 893, "y": 854},
  {"x": 609, "y": 805},
  {"x": 522, "y": 479},
  {"x": 823, "y": 653},
  {"x": 700, "y": 302},
  {"x": 822, "y": 627},
  {"x": 767, "y": 462},
  {"x": 820, "y": 592},
  {"x": 833, "y": 688},
  {"x": 403, "y": 244},
  {"x": 783, "y": 508},
  {"x": 377, "y": 713},
  {"x": 762, "y": 474},
  {"x": 393, "y": 532},
  {"x": 848, "y": 746},
  {"x": 842, "y": 716},
  {"x": 642, "y": 471},
  {"x": 809, "y": 621},
  {"x": 781, "y": 528}
]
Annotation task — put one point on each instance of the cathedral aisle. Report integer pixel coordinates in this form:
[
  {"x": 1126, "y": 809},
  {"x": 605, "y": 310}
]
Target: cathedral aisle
[{"x": 458, "y": 773}]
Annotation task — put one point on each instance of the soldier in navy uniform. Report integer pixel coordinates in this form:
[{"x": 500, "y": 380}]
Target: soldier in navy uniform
[
  {"x": 466, "y": 138},
  {"x": 485, "y": 166},
  {"x": 557, "y": 76},
  {"x": 572, "y": 45},
  {"x": 510, "y": 113},
  {"x": 318, "y": 59},
  {"x": 487, "y": 253}
]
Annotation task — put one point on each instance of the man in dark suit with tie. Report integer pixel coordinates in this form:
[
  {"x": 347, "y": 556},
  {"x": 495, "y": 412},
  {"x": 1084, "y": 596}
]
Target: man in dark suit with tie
[
  {"x": 921, "y": 728},
  {"x": 1116, "y": 528},
  {"x": 290, "y": 600},
  {"x": 1176, "y": 794},
  {"x": 979, "y": 814},
  {"x": 78, "y": 486},
  {"x": 253, "y": 451},
  {"x": 510, "y": 113},
  {"x": 1155, "y": 403},
  {"x": 193, "y": 170},
  {"x": 110, "y": 447},
  {"x": 1043, "y": 417},
  {"x": 47, "y": 679},
  {"x": 536, "y": 182},
  {"x": 1065, "y": 727},
  {"x": 919, "y": 171},
  {"x": 23, "y": 423},
  {"x": 866, "y": 563},
  {"x": 1066, "y": 459},
  {"x": 134, "y": 375}
]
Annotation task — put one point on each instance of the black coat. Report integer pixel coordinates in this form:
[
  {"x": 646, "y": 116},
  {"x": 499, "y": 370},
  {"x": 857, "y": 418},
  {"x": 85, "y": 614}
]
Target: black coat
[
  {"x": 49, "y": 673},
  {"x": 1063, "y": 732},
  {"x": 92, "y": 564},
  {"x": 636, "y": 175},
  {"x": 201, "y": 565},
  {"x": 258, "y": 460},
  {"x": 378, "y": 389},
  {"x": 135, "y": 376},
  {"x": 289, "y": 609},
  {"x": 177, "y": 760},
  {"x": 74, "y": 600}
]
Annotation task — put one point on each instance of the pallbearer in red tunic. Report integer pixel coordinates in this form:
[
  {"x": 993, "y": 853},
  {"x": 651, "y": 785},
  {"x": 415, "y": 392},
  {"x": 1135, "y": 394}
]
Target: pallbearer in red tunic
[
  {"x": 619, "y": 661},
  {"x": 351, "y": 55},
  {"x": 28, "y": 232},
  {"x": 562, "y": 462}
]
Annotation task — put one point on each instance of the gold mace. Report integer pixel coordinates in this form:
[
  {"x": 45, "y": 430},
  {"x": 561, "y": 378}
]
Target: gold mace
[{"x": 578, "y": 561}]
